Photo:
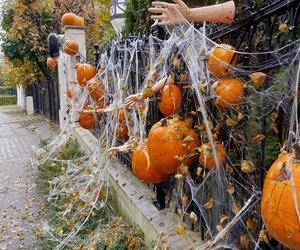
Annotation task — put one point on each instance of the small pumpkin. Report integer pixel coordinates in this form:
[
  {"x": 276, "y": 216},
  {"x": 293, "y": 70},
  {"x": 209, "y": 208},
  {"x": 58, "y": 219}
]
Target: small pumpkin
[
  {"x": 170, "y": 99},
  {"x": 229, "y": 93},
  {"x": 122, "y": 129},
  {"x": 206, "y": 158},
  {"x": 281, "y": 199},
  {"x": 220, "y": 58},
  {"x": 143, "y": 168},
  {"x": 169, "y": 139},
  {"x": 87, "y": 119},
  {"x": 51, "y": 62},
  {"x": 96, "y": 89},
  {"x": 72, "y": 20},
  {"x": 71, "y": 47},
  {"x": 84, "y": 73}
]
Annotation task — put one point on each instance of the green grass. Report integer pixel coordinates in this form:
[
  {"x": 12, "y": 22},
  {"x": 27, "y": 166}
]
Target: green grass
[
  {"x": 107, "y": 231},
  {"x": 8, "y": 100}
]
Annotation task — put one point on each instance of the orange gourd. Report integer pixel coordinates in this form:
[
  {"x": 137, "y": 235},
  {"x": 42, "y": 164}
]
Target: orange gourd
[
  {"x": 72, "y": 20},
  {"x": 143, "y": 167},
  {"x": 220, "y": 58},
  {"x": 170, "y": 99},
  {"x": 87, "y": 119},
  {"x": 96, "y": 89},
  {"x": 71, "y": 47},
  {"x": 229, "y": 93},
  {"x": 168, "y": 139},
  {"x": 280, "y": 197},
  {"x": 206, "y": 158},
  {"x": 84, "y": 73},
  {"x": 51, "y": 62}
]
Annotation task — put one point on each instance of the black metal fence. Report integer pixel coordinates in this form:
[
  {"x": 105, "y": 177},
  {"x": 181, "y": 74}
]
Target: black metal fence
[{"x": 45, "y": 98}]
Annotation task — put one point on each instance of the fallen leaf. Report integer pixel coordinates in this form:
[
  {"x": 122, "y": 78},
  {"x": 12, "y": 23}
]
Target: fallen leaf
[
  {"x": 219, "y": 227},
  {"x": 263, "y": 236},
  {"x": 240, "y": 117},
  {"x": 199, "y": 171},
  {"x": 236, "y": 207},
  {"x": 244, "y": 241},
  {"x": 184, "y": 200},
  {"x": 193, "y": 217},
  {"x": 258, "y": 137},
  {"x": 258, "y": 78},
  {"x": 283, "y": 28},
  {"x": 230, "y": 188},
  {"x": 228, "y": 169},
  {"x": 180, "y": 230},
  {"x": 223, "y": 218},
  {"x": 250, "y": 224},
  {"x": 247, "y": 166},
  {"x": 209, "y": 204},
  {"x": 231, "y": 122}
]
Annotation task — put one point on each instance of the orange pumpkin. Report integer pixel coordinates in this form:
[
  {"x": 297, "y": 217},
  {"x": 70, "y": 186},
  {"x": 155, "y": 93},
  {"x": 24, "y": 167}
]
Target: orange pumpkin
[
  {"x": 96, "y": 89},
  {"x": 72, "y": 20},
  {"x": 280, "y": 197},
  {"x": 71, "y": 47},
  {"x": 86, "y": 119},
  {"x": 143, "y": 167},
  {"x": 84, "y": 73},
  {"x": 51, "y": 62},
  {"x": 206, "y": 158},
  {"x": 168, "y": 139},
  {"x": 121, "y": 115},
  {"x": 170, "y": 99},
  {"x": 220, "y": 58},
  {"x": 122, "y": 131},
  {"x": 229, "y": 92}
]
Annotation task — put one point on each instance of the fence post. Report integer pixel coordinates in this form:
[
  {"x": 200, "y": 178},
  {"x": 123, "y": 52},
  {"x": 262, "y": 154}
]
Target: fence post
[{"x": 66, "y": 70}]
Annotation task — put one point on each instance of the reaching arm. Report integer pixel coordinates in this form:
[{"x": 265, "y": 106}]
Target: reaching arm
[{"x": 177, "y": 13}]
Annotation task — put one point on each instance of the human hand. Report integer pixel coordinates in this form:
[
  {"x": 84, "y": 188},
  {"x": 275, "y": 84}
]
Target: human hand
[
  {"x": 169, "y": 13},
  {"x": 133, "y": 99}
]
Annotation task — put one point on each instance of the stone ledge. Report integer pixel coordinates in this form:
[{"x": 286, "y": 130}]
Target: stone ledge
[{"x": 133, "y": 200}]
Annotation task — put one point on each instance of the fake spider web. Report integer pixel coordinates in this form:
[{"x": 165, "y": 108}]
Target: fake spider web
[{"x": 226, "y": 199}]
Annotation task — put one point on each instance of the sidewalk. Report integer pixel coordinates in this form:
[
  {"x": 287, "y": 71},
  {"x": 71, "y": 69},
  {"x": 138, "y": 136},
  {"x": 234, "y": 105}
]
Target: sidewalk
[{"x": 20, "y": 205}]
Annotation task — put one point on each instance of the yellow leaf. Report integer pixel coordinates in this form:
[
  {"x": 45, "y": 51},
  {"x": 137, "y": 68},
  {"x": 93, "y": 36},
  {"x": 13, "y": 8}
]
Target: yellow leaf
[
  {"x": 180, "y": 230},
  {"x": 258, "y": 78},
  {"x": 219, "y": 227},
  {"x": 230, "y": 188},
  {"x": 244, "y": 241},
  {"x": 231, "y": 122},
  {"x": 199, "y": 171},
  {"x": 236, "y": 207},
  {"x": 58, "y": 230},
  {"x": 193, "y": 217},
  {"x": 247, "y": 166},
  {"x": 250, "y": 224},
  {"x": 229, "y": 169},
  {"x": 209, "y": 204},
  {"x": 259, "y": 137},
  {"x": 223, "y": 218},
  {"x": 240, "y": 117},
  {"x": 263, "y": 236},
  {"x": 274, "y": 116},
  {"x": 185, "y": 200},
  {"x": 283, "y": 28}
]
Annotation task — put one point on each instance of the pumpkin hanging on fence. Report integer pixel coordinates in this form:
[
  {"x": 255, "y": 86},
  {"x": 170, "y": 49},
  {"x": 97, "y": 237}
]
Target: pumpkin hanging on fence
[
  {"x": 280, "y": 204},
  {"x": 72, "y": 20},
  {"x": 84, "y": 73},
  {"x": 96, "y": 89},
  {"x": 122, "y": 129},
  {"x": 51, "y": 62},
  {"x": 143, "y": 168},
  {"x": 71, "y": 47},
  {"x": 87, "y": 119},
  {"x": 229, "y": 92},
  {"x": 206, "y": 158},
  {"x": 170, "y": 139},
  {"x": 170, "y": 99},
  {"x": 220, "y": 59}
]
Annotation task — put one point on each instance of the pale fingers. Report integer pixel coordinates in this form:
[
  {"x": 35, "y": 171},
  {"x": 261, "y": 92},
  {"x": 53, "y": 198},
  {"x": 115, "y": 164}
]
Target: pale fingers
[
  {"x": 157, "y": 10},
  {"x": 159, "y": 17},
  {"x": 160, "y": 4},
  {"x": 164, "y": 23}
]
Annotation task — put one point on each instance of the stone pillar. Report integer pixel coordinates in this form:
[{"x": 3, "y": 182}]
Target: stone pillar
[
  {"x": 66, "y": 70},
  {"x": 21, "y": 97},
  {"x": 29, "y": 105}
]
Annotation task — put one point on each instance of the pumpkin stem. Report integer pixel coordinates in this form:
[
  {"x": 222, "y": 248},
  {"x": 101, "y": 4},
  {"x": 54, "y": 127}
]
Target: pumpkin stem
[
  {"x": 164, "y": 122},
  {"x": 297, "y": 150}
]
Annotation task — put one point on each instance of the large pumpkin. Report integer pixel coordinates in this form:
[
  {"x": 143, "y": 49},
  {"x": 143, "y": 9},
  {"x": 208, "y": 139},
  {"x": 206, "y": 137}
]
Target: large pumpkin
[
  {"x": 281, "y": 200},
  {"x": 72, "y": 20},
  {"x": 229, "y": 93},
  {"x": 206, "y": 158},
  {"x": 170, "y": 99},
  {"x": 51, "y": 62},
  {"x": 143, "y": 167},
  {"x": 84, "y": 73},
  {"x": 87, "y": 119},
  {"x": 96, "y": 89},
  {"x": 168, "y": 139},
  {"x": 71, "y": 47},
  {"x": 220, "y": 59}
]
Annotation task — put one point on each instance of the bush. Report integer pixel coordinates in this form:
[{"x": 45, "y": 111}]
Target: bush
[
  {"x": 4, "y": 90},
  {"x": 8, "y": 100}
]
